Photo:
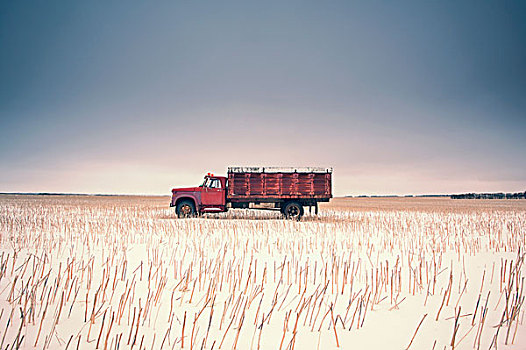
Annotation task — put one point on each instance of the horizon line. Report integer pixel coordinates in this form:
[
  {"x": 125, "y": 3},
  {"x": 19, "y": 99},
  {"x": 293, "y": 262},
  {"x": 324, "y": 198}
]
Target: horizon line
[{"x": 167, "y": 195}]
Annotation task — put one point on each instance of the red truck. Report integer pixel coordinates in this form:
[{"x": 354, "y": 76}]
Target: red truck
[{"x": 285, "y": 189}]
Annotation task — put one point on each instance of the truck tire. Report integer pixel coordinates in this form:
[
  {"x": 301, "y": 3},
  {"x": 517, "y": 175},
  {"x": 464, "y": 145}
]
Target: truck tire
[
  {"x": 185, "y": 209},
  {"x": 293, "y": 210}
]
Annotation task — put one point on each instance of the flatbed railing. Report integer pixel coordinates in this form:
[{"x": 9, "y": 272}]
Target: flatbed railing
[{"x": 273, "y": 170}]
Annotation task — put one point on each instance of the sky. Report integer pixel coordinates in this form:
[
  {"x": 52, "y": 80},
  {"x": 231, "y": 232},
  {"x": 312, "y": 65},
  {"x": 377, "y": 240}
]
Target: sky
[{"x": 137, "y": 97}]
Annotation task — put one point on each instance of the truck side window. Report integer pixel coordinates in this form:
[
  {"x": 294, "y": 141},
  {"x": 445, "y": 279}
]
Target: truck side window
[{"x": 215, "y": 183}]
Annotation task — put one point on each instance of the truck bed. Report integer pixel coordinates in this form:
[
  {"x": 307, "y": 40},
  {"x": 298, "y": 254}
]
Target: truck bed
[{"x": 271, "y": 183}]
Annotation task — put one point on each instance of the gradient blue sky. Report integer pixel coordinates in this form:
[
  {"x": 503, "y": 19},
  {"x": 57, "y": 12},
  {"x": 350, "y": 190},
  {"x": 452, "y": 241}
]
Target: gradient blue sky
[{"x": 137, "y": 97}]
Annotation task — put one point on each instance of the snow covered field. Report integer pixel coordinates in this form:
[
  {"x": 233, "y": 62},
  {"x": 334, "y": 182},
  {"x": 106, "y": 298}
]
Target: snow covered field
[{"x": 122, "y": 272}]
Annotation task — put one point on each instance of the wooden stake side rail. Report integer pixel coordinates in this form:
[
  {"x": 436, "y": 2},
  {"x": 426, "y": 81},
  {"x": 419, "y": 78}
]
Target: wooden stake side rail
[{"x": 252, "y": 185}]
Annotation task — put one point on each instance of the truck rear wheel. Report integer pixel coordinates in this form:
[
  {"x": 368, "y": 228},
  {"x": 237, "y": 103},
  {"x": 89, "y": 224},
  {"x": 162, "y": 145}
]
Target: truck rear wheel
[
  {"x": 293, "y": 210},
  {"x": 185, "y": 209}
]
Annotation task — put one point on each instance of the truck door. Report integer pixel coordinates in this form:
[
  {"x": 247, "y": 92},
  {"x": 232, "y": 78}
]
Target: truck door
[{"x": 213, "y": 193}]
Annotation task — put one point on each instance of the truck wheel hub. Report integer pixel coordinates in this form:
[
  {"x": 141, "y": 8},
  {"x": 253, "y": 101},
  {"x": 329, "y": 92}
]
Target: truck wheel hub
[{"x": 293, "y": 211}]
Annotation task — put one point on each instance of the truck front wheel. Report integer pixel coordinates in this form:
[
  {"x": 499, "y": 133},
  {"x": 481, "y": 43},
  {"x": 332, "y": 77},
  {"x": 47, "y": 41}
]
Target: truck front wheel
[
  {"x": 185, "y": 209},
  {"x": 293, "y": 210}
]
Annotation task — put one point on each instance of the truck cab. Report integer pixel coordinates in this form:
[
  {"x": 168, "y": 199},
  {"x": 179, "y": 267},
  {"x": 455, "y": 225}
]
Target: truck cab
[{"x": 209, "y": 197}]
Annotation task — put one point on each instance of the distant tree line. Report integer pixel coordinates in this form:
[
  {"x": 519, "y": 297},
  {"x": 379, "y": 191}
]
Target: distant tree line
[{"x": 517, "y": 195}]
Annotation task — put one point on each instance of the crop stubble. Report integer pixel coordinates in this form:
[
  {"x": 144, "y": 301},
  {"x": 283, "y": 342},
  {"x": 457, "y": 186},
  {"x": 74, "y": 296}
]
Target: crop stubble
[{"x": 122, "y": 272}]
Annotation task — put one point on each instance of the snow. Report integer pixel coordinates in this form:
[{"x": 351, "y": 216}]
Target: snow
[{"x": 364, "y": 274}]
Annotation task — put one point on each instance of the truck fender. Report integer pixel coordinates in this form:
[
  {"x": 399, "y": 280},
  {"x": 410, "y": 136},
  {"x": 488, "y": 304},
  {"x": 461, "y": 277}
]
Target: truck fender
[{"x": 187, "y": 197}]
